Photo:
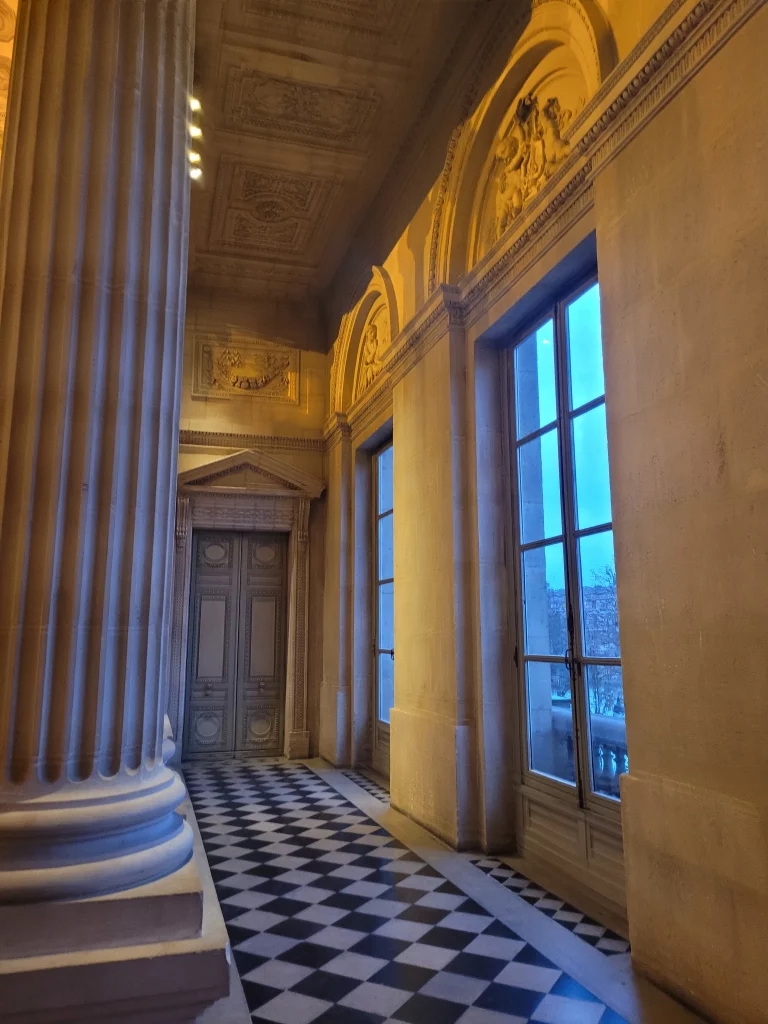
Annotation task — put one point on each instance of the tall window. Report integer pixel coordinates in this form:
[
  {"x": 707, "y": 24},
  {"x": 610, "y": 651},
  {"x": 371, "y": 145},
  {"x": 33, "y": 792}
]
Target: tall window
[
  {"x": 569, "y": 653},
  {"x": 384, "y": 590}
]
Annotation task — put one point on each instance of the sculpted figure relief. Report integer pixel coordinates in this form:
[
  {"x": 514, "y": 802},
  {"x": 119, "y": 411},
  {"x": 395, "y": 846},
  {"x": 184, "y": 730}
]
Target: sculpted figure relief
[
  {"x": 374, "y": 341},
  {"x": 371, "y": 358},
  {"x": 529, "y": 153}
]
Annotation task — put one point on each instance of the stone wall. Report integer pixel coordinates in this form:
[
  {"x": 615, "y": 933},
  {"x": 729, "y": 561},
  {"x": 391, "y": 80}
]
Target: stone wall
[{"x": 683, "y": 252}]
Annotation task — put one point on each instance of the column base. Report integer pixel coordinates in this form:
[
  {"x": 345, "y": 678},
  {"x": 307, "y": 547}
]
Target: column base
[
  {"x": 155, "y": 976},
  {"x": 85, "y": 839}
]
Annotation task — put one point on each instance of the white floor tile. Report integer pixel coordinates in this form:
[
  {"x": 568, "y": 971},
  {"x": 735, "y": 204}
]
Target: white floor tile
[
  {"x": 355, "y": 965},
  {"x": 559, "y": 1010},
  {"x": 420, "y": 955}
]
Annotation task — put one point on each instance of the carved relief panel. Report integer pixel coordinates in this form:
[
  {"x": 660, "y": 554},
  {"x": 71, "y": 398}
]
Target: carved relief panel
[
  {"x": 229, "y": 367},
  {"x": 237, "y": 642},
  {"x": 374, "y": 342},
  {"x": 530, "y": 146}
]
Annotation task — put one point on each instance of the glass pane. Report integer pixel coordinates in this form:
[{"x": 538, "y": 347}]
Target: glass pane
[
  {"x": 539, "y": 482},
  {"x": 386, "y": 674},
  {"x": 607, "y": 728},
  {"x": 386, "y": 638},
  {"x": 386, "y": 556},
  {"x": 585, "y": 348},
  {"x": 590, "y": 463},
  {"x": 550, "y": 720},
  {"x": 599, "y": 611},
  {"x": 385, "y": 466},
  {"x": 535, "y": 395},
  {"x": 546, "y": 627}
]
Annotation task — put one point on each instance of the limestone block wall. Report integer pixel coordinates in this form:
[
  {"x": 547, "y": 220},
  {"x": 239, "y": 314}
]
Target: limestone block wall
[
  {"x": 683, "y": 256},
  {"x": 432, "y": 738}
]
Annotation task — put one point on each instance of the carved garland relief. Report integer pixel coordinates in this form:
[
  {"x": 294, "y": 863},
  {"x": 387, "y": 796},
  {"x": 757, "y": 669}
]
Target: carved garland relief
[{"x": 229, "y": 367}]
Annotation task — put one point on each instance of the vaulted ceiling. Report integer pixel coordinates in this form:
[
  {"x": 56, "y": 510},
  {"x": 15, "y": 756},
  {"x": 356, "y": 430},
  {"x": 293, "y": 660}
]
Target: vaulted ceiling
[{"x": 305, "y": 105}]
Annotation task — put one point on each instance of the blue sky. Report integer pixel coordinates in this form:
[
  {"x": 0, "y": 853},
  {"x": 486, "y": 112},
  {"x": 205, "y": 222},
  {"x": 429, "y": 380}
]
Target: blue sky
[{"x": 590, "y": 455}]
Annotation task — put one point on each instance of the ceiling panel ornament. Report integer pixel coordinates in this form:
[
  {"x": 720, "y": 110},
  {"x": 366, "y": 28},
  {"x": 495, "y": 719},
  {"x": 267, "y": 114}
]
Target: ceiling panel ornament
[
  {"x": 260, "y": 211},
  {"x": 279, "y": 107},
  {"x": 364, "y": 19},
  {"x": 226, "y": 366}
]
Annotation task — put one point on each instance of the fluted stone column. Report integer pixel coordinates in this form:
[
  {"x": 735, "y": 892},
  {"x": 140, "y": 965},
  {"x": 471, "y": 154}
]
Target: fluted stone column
[{"x": 93, "y": 229}]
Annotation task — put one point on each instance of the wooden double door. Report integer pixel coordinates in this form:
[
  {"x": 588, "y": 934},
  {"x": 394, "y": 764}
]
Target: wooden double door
[{"x": 235, "y": 699}]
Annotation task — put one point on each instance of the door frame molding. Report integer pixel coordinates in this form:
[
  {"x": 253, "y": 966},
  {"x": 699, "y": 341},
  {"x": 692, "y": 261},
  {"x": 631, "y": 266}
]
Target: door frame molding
[{"x": 251, "y": 492}]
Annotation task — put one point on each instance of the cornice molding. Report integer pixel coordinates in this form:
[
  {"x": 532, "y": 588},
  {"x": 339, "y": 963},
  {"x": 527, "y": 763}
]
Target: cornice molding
[
  {"x": 213, "y": 439},
  {"x": 337, "y": 429},
  {"x": 512, "y": 256},
  {"x": 684, "y": 53},
  {"x": 444, "y": 309}
]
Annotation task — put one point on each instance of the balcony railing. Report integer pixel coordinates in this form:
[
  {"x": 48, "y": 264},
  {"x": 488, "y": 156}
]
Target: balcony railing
[{"x": 608, "y": 749}]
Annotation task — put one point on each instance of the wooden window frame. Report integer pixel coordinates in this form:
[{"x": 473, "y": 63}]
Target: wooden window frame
[{"x": 582, "y": 794}]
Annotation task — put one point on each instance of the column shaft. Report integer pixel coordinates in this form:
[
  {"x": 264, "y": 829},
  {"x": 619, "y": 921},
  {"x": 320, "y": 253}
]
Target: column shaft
[{"x": 93, "y": 229}]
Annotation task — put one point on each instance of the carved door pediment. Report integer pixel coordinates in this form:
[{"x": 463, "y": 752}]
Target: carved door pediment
[{"x": 251, "y": 471}]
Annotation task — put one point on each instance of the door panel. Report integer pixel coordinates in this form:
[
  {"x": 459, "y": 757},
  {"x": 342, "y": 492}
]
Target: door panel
[
  {"x": 212, "y": 663},
  {"x": 236, "y": 658},
  {"x": 261, "y": 692}
]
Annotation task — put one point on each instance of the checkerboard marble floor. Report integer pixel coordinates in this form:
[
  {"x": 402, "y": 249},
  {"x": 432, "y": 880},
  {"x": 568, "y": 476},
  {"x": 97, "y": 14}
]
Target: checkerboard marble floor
[
  {"x": 369, "y": 784},
  {"x": 597, "y": 935},
  {"x": 587, "y": 929},
  {"x": 333, "y": 921}
]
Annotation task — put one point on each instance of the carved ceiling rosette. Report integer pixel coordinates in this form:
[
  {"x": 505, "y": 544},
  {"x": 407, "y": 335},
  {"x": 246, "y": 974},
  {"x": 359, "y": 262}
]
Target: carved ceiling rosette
[{"x": 265, "y": 212}]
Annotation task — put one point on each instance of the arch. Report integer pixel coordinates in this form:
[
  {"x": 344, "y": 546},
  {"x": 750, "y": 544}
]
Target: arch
[
  {"x": 565, "y": 39},
  {"x": 378, "y": 301}
]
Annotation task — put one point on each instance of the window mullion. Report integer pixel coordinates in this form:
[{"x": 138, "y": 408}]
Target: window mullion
[{"x": 568, "y": 486}]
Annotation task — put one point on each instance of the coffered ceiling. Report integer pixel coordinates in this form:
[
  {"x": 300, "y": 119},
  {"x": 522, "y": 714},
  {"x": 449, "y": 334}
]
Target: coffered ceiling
[{"x": 305, "y": 105}]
